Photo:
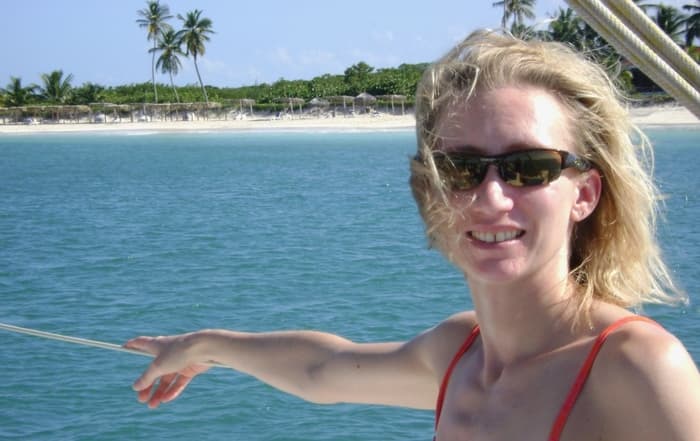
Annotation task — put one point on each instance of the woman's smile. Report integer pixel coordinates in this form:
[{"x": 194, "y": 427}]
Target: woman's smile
[{"x": 497, "y": 237}]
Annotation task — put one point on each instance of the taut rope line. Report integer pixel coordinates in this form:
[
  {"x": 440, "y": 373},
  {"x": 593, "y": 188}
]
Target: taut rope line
[
  {"x": 68, "y": 339},
  {"x": 76, "y": 340}
]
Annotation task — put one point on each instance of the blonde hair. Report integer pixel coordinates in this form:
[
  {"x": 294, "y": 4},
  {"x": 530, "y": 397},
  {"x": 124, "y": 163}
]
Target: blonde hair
[{"x": 614, "y": 255}]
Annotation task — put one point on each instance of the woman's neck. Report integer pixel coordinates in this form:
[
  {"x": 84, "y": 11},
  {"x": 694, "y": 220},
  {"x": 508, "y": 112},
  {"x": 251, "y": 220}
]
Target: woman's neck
[{"x": 522, "y": 320}]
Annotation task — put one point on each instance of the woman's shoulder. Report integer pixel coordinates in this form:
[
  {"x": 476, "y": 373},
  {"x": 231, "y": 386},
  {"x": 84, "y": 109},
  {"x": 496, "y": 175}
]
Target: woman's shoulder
[
  {"x": 441, "y": 342},
  {"x": 636, "y": 344},
  {"x": 456, "y": 327},
  {"x": 635, "y": 341},
  {"x": 644, "y": 373}
]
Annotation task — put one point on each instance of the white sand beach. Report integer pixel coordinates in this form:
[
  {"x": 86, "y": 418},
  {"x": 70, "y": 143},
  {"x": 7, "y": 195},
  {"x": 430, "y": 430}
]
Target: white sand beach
[
  {"x": 663, "y": 116},
  {"x": 363, "y": 123},
  {"x": 671, "y": 115}
]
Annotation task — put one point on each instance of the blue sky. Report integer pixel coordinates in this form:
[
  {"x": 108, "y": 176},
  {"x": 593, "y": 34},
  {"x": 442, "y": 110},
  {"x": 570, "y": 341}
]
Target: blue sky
[{"x": 255, "y": 41}]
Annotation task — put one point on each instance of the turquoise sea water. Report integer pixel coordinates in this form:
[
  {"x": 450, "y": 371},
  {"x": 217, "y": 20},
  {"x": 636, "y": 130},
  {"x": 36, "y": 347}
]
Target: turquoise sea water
[{"x": 108, "y": 236}]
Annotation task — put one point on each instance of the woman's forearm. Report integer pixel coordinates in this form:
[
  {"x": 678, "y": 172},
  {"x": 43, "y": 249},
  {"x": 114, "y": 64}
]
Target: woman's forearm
[{"x": 290, "y": 361}]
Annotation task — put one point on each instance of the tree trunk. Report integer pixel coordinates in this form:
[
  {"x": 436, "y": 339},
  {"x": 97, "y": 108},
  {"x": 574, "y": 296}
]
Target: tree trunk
[
  {"x": 172, "y": 84},
  {"x": 204, "y": 91},
  {"x": 153, "y": 71}
]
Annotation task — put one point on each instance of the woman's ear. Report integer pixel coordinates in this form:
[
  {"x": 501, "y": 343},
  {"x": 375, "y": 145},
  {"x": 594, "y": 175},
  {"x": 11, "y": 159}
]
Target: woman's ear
[{"x": 589, "y": 186}]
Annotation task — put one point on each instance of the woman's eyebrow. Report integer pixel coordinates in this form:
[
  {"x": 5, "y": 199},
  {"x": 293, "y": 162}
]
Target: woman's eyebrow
[
  {"x": 462, "y": 148},
  {"x": 514, "y": 146},
  {"x": 527, "y": 146}
]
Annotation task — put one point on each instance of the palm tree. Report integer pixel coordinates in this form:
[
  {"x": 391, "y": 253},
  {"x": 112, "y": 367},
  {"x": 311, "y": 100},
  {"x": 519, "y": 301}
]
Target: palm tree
[
  {"x": 15, "y": 95},
  {"x": 168, "y": 61},
  {"x": 193, "y": 35},
  {"x": 518, "y": 10},
  {"x": 566, "y": 27},
  {"x": 671, "y": 20},
  {"x": 154, "y": 18},
  {"x": 692, "y": 23},
  {"x": 569, "y": 28},
  {"x": 56, "y": 89}
]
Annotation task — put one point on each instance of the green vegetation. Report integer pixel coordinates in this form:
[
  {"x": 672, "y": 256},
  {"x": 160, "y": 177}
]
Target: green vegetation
[
  {"x": 387, "y": 83},
  {"x": 56, "y": 89},
  {"x": 15, "y": 94}
]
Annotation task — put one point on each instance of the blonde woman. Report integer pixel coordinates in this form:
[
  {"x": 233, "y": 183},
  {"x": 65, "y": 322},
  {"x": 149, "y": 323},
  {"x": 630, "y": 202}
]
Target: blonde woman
[{"x": 529, "y": 182}]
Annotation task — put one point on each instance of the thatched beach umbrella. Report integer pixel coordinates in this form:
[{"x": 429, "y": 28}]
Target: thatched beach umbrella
[
  {"x": 246, "y": 102},
  {"x": 10, "y": 112},
  {"x": 27, "y": 114},
  {"x": 394, "y": 98},
  {"x": 344, "y": 99},
  {"x": 34, "y": 110},
  {"x": 50, "y": 112},
  {"x": 318, "y": 102},
  {"x": 76, "y": 112},
  {"x": 157, "y": 109},
  {"x": 197, "y": 108},
  {"x": 189, "y": 109},
  {"x": 291, "y": 102},
  {"x": 181, "y": 108},
  {"x": 365, "y": 99},
  {"x": 70, "y": 112},
  {"x": 100, "y": 111}
]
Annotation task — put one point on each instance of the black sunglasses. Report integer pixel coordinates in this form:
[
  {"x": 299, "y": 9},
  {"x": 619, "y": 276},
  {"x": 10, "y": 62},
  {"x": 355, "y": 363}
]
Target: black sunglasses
[{"x": 523, "y": 168}]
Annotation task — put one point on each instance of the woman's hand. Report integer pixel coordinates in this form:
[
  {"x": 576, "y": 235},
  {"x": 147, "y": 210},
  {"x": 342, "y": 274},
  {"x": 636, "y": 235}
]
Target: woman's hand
[{"x": 170, "y": 372}]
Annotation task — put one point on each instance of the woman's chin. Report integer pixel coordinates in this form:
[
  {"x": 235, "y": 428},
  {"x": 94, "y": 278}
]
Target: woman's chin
[{"x": 497, "y": 271}]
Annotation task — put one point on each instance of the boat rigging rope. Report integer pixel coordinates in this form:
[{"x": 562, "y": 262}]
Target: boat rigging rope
[
  {"x": 640, "y": 40},
  {"x": 76, "y": 340}
]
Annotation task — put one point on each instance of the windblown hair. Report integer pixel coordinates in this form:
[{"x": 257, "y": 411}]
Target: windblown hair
[{"x": 614, "y": 255}]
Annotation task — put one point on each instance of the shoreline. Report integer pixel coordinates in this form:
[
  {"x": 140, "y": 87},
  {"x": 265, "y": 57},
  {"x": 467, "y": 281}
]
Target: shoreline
[
  {"x": 651, "y": 116},
  {"x": 349, "y": 124}
]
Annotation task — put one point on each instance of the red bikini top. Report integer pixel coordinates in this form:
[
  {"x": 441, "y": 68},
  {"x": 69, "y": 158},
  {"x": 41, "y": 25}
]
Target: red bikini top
[{"x": 575, "y": 390}]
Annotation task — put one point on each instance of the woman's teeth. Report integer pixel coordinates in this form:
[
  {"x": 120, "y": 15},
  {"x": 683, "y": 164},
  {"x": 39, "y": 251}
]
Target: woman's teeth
[{"x": 501, "y": 236}]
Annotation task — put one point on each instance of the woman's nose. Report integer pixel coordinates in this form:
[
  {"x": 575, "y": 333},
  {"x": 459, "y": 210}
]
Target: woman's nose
[{"x": 493, "y": 194}]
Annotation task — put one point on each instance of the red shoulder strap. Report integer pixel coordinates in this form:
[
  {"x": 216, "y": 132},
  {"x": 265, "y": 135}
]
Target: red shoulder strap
[
  {"x": 585, "y": 371},
  {"x": 446, "y": 379}
]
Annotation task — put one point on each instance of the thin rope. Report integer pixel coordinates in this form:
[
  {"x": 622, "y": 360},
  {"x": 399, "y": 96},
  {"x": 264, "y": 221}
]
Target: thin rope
[
  {"x": 664, "y": 71},
  {"x": 76, "y": 340}
]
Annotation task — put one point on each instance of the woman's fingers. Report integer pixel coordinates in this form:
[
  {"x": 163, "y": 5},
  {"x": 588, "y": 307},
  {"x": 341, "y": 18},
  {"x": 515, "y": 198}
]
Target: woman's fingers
[
  {"x": 176, "y": 388},
  {"x": 169, "y": 387},
  {"x": 164, "y": 363},
  {"x": 166, "y": 381},
  {"x": 144, "y": 395},
  {"x": 149, "y": 345},
  {"x": 168, "y": 374}
]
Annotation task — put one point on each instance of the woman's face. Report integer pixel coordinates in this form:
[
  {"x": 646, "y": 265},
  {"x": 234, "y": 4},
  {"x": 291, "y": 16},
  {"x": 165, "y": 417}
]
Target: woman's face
[{"x": 501, "y": 233}]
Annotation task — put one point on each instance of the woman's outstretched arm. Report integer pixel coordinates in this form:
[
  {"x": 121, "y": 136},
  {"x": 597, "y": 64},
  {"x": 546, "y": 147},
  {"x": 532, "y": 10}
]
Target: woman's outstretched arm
[{"x": 315, "y": 366}]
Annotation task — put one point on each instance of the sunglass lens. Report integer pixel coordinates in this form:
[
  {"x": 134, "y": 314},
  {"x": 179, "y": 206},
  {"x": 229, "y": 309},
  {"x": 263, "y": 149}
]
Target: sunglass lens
[
  {"x": 531, "y": 168},
  {"x": 460, "y": 173}
]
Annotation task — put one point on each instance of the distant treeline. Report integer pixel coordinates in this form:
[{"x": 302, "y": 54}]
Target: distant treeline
[{"x": 357, "y": 79}]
